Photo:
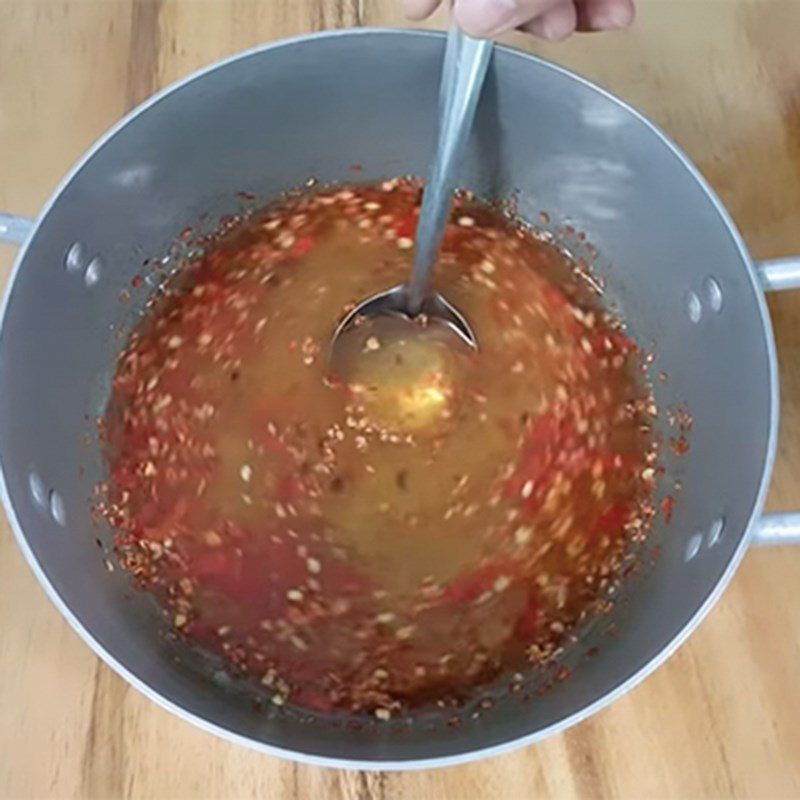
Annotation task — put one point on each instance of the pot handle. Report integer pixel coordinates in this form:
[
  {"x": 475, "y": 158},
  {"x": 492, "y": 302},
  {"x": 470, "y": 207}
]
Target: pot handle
[
  {"x": 14, "y": 230},
  {"x": 779, "y": 274},
  {"x": 775, "y": 529}
]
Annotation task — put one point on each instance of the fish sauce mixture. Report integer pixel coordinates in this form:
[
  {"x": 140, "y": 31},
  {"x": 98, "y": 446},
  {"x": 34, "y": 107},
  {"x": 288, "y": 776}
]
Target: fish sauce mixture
[{"x": 402, "y": 525}]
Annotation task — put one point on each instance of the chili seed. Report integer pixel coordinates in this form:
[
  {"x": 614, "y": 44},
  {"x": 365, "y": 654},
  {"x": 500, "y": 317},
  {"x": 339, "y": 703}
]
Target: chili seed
[
  {"x": 212, "y": 539},
  {"x": 314, "y": 566},
  {"x": 523, "y": 534}
]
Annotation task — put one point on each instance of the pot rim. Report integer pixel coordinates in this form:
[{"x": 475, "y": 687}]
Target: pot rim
[{"x": 588, "y": 710}]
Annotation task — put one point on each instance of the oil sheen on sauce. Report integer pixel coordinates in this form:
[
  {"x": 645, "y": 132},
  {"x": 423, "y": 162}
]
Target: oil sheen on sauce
[{"x": 402, "y": 527}]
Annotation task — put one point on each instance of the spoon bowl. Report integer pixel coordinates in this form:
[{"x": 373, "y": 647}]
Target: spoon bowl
[{"x": 395, "y": 302}]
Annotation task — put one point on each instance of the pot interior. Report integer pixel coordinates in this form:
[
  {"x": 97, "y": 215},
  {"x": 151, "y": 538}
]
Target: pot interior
[{"x": 265, "y": 122}]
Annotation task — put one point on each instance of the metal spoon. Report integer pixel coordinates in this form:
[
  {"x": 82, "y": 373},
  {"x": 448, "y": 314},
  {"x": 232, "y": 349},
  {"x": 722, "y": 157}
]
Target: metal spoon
[{"x": 466, "y": 62}]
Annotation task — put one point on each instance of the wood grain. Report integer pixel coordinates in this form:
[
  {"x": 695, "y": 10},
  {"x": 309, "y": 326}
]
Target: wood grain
[{"x": 722, "y": 718}]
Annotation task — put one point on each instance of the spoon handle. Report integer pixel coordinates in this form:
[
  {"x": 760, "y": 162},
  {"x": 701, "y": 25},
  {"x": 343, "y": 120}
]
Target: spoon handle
[{"x": 466, "y": 62}]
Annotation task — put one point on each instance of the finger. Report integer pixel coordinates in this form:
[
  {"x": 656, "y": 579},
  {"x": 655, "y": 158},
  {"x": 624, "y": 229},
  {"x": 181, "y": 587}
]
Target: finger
[
  {"x": 556, "y": 24},
  {"x": 604, "y": 15},
  {"x": 419, "y": 9},
  {"x": 490, "y": 17}
]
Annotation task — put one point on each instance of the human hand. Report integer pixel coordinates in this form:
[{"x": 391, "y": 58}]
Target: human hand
[{"x": 550, "y": 19}]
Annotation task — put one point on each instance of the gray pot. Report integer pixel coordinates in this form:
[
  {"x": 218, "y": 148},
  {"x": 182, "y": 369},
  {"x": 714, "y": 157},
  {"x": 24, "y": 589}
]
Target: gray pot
[{"x": 265, "y": 121}]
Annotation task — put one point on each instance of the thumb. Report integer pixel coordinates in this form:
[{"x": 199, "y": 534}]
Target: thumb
[{"x": 490, "y": 17}]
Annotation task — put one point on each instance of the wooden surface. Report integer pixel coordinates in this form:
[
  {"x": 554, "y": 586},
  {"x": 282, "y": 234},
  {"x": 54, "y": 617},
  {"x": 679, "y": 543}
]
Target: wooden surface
[{"x": 722, "y": 718}]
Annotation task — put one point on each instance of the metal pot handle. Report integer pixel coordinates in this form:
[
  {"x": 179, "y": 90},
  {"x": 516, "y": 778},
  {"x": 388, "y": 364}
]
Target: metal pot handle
[
  {"x": 777, "y": 275},
  {"x": 14, "y": 230},
  {"x": 774, "y": 529}
]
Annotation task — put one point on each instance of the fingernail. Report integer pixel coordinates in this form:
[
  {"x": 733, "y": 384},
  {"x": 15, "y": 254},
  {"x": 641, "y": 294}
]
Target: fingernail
[
  {"x": 487, "y": 17},
  {"x": 616, "y": 17}
]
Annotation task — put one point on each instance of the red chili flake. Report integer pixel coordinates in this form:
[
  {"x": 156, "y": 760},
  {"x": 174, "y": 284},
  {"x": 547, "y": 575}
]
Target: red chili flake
[
  {"x": 406, "y": 227},
  {"x": 549, "y": 439},
  {"x": 212, "y": 565},
  {"x": 530, "y": 621},
  {"x": 311, "y": 698},
  {"x": 302, "y": 247},
  {"x": 667, "y": 505},
  {"x": 290, "y": 488},
  {"x": 612, "y": 519},
  {"x": 620, "y": 343},
  {"x": 679, "y": 446},
  {"x": 137, "y": 281},
  {"x": 554, "y": 298},
  {"x": 244, "y": 579}
]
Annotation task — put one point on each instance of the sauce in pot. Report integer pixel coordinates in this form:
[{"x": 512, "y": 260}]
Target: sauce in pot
[{"x": 412, "y": 524}]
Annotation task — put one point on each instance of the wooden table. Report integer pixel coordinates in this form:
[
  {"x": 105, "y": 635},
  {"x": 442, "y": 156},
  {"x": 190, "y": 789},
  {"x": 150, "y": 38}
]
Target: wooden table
[{"x": 722, "y": 718}]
